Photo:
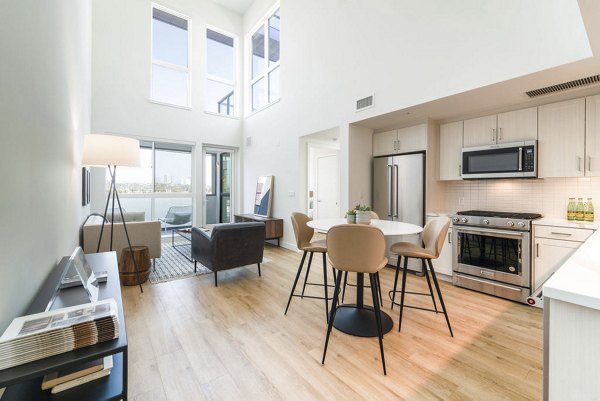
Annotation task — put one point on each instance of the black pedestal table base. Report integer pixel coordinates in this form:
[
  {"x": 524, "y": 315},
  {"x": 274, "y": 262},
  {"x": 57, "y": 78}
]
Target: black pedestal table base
[{"x": 360, "y": 322}]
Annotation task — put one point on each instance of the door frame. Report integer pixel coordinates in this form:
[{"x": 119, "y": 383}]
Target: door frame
[{"x": 206, "y": 148}]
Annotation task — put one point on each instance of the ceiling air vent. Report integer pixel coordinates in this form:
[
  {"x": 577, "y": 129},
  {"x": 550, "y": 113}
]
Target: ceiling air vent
[
  {"x": 564, "y": 86},
  {"x": 364, "y": 103}
]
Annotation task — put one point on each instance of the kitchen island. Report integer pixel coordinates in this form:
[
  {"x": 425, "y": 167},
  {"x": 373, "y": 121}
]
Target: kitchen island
[{"x": 572, "y": 326}]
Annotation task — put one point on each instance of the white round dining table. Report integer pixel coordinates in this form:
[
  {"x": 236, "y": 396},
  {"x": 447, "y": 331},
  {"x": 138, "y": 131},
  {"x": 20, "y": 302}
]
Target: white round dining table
[
  {"x": 389, "y": 228},
  {"x": 359, "y": 319}
]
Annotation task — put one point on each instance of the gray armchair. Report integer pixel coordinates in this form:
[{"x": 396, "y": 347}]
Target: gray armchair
[
  {"x": 228, "y": 246},
  {"x": 177, "y": 217}
]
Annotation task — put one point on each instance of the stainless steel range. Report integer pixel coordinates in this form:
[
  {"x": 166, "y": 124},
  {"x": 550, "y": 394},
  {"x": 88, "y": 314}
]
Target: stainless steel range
[{"x": 492, "y": 252}]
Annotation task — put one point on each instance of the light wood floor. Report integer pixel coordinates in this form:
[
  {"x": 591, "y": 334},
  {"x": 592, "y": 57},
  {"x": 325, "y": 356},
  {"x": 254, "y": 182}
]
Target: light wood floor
[{"x": 191, "y": 341}]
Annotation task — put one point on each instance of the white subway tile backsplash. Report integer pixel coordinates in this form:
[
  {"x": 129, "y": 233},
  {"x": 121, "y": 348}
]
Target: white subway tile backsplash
[{"x": 546, "y": 196}]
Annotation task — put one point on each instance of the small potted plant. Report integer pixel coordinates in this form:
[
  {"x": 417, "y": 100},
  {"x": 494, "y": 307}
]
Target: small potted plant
[
  {"x": 351, "y": 216},
  {"x": 363, "y": 214}
]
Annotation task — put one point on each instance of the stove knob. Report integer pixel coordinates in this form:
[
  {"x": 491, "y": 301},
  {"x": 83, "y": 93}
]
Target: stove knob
[
  {"x": 486, "y": 221},
  {"x": 464, "y": 220},
  {"x": 521, "y": 224},
  {"x": 510, "y": 223},
  {"x": 455, "y": 219}
]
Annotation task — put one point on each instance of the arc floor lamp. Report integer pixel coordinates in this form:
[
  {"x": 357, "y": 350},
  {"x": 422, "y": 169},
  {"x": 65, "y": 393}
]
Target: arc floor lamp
[{"x": 112, "y": 151}]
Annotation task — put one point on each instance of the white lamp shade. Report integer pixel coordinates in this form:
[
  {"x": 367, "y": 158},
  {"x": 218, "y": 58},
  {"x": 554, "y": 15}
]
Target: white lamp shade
[{"x": 110, "y": 150}]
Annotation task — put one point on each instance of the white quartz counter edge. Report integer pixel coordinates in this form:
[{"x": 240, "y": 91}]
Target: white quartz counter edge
[
  {"x": 545, "y": 221},
  {"x": 578, "y": 280}
]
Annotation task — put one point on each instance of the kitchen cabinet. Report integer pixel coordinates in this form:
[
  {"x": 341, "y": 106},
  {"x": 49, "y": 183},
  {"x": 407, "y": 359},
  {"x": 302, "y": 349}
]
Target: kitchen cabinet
[
  {"x": 512, "y": 126},
  {"x": 403, "y": 140},
  {"x": 480, "y": 131},
  {"x": 451, "y": 142},
  {"x": 592, "y": 136},
  {"x": 561, "y": 139},
  {"x": 443, "y": 264},
  {"x": 552, "y": 247}
]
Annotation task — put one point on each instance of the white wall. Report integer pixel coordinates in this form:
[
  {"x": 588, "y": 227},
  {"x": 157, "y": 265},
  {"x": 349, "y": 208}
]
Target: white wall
[
  {"x": 406, "y": 53},
  {"x": 121, "y": 78},
  {"x": 45, "y": 111}
]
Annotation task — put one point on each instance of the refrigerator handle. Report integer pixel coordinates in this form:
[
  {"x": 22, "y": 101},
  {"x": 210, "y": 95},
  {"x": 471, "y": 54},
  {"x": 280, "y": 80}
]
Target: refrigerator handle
[
  {"x": 396, "y": 188},
  {"x": 390, "y": 174}
]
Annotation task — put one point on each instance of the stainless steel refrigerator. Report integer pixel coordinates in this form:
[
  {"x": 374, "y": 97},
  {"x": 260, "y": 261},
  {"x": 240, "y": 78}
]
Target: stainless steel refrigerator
[{"x": 399, "y": 194}]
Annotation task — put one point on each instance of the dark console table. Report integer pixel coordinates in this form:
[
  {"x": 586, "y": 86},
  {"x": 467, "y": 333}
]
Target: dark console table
[
  {"x": 274, "y": 226},
  {"x": 24, "y": 382}
]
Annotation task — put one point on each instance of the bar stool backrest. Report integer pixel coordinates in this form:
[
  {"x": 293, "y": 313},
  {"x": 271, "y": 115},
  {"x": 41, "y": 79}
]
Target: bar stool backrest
[
  {"x": 434, "y": 234},
  {"x": 356, "y": 248},
  {"x": 302, "y": 231}
]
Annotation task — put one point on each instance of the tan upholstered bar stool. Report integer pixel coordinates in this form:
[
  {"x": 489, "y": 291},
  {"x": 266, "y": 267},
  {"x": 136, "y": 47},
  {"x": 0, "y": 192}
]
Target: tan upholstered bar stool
[
  {"x": 434, "y": 234},
  {"x": 359, "y": 249},
  {"x": 304, "y": 235}
]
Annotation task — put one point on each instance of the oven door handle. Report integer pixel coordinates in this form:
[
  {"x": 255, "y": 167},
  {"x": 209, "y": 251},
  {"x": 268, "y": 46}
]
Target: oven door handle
[
  {"x": 506, "y": 234},
  {"x": 494, "y": 283}
]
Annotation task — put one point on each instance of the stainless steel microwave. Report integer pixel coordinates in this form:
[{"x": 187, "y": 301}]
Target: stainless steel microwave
[{"x": 505, "y": 160}]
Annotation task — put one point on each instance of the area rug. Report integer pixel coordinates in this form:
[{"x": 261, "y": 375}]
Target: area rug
[{"x": 174, "y": 266}]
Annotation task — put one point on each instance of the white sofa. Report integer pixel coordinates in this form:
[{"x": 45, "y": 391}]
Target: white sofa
[{"x": 146, "y": 233}]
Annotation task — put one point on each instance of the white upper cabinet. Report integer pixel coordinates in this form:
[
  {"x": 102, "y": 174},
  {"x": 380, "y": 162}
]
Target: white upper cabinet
[
  {"x": 561, "y": 139},
  {"x": 385, "y": 143},
  {"x": 592, "y": 136},
  {"x": 451, "y": 142},
  {"x": 480, "y": 131},
  {"x": 513, "y": 126},
  {"x": 518, "y": 125},
  {"x": 401, "y": 140}
]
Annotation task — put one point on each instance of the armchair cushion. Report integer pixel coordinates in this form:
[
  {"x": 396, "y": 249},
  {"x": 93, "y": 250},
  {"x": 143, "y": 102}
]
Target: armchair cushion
[{"x": 229, "y": 245}]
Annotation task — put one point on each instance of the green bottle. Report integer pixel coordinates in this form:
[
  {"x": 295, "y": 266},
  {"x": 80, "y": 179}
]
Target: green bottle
[
  {"x": 571, "y": 209},
  {"x": 589, "y": 212},
  {"x": 579, "y": 213}
]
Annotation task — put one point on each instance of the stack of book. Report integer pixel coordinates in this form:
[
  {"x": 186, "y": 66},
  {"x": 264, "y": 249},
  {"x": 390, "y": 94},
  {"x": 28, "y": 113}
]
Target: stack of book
[
  {"x": 33, "y": 337},
  {"x": 76, "y": 376}
]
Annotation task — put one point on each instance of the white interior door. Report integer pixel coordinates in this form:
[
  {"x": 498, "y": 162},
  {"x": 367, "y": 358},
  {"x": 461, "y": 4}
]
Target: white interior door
[{"x": 328, "y": 187}]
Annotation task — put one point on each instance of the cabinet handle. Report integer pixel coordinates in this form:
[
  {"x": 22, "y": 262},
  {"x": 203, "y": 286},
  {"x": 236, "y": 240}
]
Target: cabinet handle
[
  {"x": 589, "y": 163},
  {"x": 499, "y": 134},
  {"x": 459, "y": 170},
  {"x": 449, "y": 238},
  {"x": 537, "y": 249},
  {"x": 580, "y": 163},
  {"x": 493, "y": 135},
  {"x": 398, "y": 145},
  {"x": 557, "y": 233}
]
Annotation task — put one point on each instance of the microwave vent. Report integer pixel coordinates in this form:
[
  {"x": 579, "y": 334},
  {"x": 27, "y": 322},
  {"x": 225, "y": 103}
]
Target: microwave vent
[
  {"x": 594, "y": 79},
  {"x": 364, "y": 103}
]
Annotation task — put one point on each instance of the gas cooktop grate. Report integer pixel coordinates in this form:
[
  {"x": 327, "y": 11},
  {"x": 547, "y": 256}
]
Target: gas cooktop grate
[{"x": 504, "y": 215}]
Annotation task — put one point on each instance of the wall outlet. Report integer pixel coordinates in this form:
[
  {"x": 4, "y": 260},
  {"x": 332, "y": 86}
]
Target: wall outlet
[
  {"x": 291, "y": 194},
  {"x": 248, "y": 141},
  {"x": 461, "y": 201}
]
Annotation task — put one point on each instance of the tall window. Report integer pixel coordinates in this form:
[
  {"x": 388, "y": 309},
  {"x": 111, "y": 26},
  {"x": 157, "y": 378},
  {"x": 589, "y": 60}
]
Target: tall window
[
  {"x": 162, "y": 184},
  {"x": 170, "y": 59},
  {"x": 265, "y": 43},
  {"x": 220, "y": 73}
]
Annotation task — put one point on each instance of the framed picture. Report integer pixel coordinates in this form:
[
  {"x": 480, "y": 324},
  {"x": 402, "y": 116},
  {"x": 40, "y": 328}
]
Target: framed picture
[
  {"x": 264, "y": 196},
  {"x": 85, "y": 186}
]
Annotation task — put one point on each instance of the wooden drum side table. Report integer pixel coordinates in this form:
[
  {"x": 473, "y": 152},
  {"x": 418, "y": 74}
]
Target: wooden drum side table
[{"x": 127, "y": 272}]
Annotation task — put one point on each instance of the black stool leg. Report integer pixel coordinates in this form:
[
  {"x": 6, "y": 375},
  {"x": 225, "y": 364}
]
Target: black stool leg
[
  {"x": 379, "y": 288},
  {"x": 325, "y": 286},
  {"x": 216, "y": 285},
  {"x": 429, "y": 285},
  {"x": 295, "y": 282},
  {"x": 437, "y": 286},
  {"x": 396, "y": 280},
  {"x": 259, "y": 275},
  {"x": 404, "y": 274},
  {"x": 307, "y": 272},
  {"x": 195, "y": 265},
  {"x": 374, "y": 285},
  {"x": 344, "y": 290},
  {"x": 336, "y": 293}
]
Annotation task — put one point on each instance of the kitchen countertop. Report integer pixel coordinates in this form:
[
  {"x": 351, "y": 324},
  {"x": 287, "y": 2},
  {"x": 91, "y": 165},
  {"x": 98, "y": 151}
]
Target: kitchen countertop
[
  {"x": 577, "y": 281},
  {"x": 547, "y": 221}
]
